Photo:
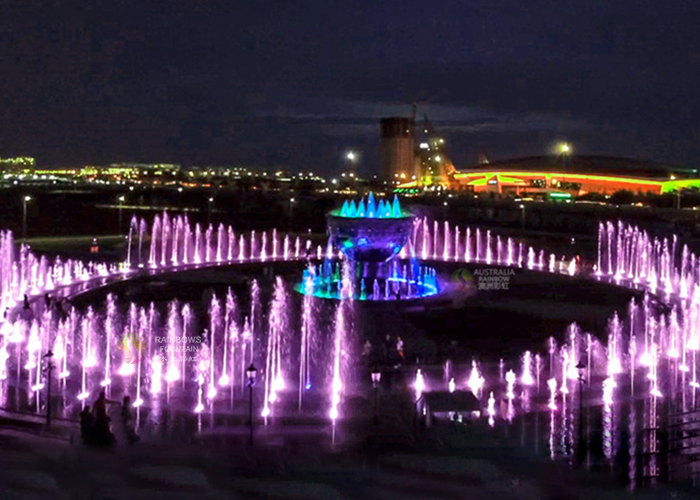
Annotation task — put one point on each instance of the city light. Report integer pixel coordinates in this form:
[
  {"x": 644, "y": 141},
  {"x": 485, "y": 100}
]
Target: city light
[{"x": 564, "y": 148}]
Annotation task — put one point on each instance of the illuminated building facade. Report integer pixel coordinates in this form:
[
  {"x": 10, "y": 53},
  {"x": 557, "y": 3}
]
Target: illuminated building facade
[
  {"x": 545, "y": 177},
  {"x": 402, "y": 162},
  {"x": 16, "y": 166},
  {"x": 397, "y": 149},
  {"x": 433, "y": 166},
  {"x": 542, "y": 183}
]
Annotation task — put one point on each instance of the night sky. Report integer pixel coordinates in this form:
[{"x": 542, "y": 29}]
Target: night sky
[{"x": 298, "y": 83}]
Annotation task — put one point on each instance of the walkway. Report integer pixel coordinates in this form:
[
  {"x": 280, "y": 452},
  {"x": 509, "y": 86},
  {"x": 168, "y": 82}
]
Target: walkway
[{"x": 444, "y": 463}]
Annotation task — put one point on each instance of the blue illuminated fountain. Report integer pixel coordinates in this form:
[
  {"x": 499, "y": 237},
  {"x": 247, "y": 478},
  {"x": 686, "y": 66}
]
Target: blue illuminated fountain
[
  {"x": 371, "y": 235},
  {"x": 370, "y": 231}
]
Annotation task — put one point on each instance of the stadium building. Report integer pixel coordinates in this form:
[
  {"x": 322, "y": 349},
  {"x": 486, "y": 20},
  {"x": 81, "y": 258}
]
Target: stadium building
[{"x": 547, "y": 176}]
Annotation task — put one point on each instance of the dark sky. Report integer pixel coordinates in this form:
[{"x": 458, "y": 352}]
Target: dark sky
[{"x": 297, "y": 83}]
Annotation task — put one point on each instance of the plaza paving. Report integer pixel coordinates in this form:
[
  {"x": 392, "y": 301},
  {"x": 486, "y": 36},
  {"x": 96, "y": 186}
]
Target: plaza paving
[{"x": 393, "y": 462}]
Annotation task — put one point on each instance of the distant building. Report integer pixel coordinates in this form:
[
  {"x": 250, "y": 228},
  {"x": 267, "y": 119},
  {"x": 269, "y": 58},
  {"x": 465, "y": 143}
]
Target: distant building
[
  {"x": 412, "y": 156},
  {"x": 552, "y": 177},
  {"x": 433, "y": 166},
  {"x": 17, "y": 166},
  {"x": 397, "y": 149}
]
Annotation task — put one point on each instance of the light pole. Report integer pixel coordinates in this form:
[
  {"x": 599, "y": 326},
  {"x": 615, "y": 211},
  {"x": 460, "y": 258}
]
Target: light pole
[
  {"x": 564, "y": 150},
  {"x": 210, "y": 207},
  {"x": 25, "y": 200},
  {"x": 678, "y": 194},
  {"x": 522, "y": 215},
  {"x": 376, "y": 379},
  {"x": 352, "y": 157},
  {"x": 49, "y": 368},
  {"x": 121, "y": 202},
  {"x": 291, "y": 212},
  {"x": 581, "y": 452},
  {"x": 251, "y": 372}
]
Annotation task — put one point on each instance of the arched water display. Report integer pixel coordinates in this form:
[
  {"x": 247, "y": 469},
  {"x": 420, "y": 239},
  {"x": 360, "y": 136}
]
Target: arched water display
[
  {"x": 643, "y": 367},
  {"x": 172, "y": 355}
]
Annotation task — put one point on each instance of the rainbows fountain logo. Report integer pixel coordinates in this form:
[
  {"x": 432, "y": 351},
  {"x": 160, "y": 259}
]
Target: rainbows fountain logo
[
  {"x": 131, "y": 345},
  {"x": 463, "y": 279}
]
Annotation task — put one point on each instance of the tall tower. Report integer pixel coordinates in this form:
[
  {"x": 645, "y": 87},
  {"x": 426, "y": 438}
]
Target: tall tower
[
  {"x": 397, "y": 149},
  {"x": 434, "y": 167}
]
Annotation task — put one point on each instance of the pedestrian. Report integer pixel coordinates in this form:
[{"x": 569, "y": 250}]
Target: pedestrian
[
  {"x": 103, "y": 432},
  {"x": 128, "y": 421},
  {"x": 87, "y": 425},
  {"x": 388, "y": 349}
]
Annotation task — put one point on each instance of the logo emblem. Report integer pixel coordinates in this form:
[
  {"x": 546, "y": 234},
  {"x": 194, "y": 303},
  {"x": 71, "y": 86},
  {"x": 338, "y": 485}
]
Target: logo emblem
[
  {"x": 463, "y": 279},
  {"x": 131, "y": 346}
]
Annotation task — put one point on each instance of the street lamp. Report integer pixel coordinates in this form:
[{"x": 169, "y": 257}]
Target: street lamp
[
  {"x": 376, "y": 379},
  {"x": 121, "y": 202},
  {"x": 565, "y": 150},
  {"x": 581, "y": 452},
  {"x": 25, "y": 200},
  {"x": 251, "y": 372},
  {"x": 291, "y": 212},
  {"x": 352, "y": 157},
  {"x": 49, "y": 368}
]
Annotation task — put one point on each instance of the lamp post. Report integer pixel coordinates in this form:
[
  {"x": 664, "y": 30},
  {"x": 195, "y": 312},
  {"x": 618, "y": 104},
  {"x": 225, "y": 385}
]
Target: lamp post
[
  {"x": 677, "y": 193},
  {"x": 352, "y": 157},
  {"x": 565, "y": 151},
  {"x": 121, "y": 202},
  {"x": 49, "y": 368},
  {"x": 251, "y": 372},
  {"x": 291, "y": 212},
  {"x": 376, "y": 379},
  {"x": 581, "y": 452},
  {"x": 25, "y": 200},
  {"x": 210, "y": 207}
]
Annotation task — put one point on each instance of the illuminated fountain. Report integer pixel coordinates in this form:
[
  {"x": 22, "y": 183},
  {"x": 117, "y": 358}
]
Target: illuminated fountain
[
  {"x": 376, "y": 238},
  {"x": 651, "y": 353}
]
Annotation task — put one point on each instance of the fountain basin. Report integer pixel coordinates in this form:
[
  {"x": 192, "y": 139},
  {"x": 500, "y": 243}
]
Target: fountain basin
[{"x": 369, "y": 240}]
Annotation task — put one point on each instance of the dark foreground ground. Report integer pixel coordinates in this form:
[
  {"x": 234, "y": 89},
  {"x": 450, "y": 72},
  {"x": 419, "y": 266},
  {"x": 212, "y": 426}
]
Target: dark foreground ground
[{"x": 391, "y": 461}]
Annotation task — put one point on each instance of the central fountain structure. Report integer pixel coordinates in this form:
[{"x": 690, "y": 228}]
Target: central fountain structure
[
  {"x": 372, "y": 237},
  {"x": 371, "y": 232}
]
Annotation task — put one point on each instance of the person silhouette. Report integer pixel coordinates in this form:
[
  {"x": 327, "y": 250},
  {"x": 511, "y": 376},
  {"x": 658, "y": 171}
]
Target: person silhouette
[
  {"x": 127, "y": 415},
  {"x": 87, "y": 424},
  {"x": 103, "y": 433}
]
